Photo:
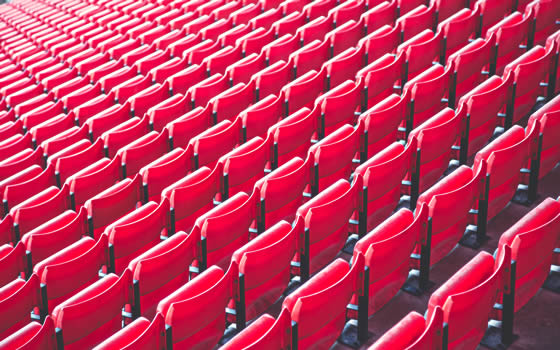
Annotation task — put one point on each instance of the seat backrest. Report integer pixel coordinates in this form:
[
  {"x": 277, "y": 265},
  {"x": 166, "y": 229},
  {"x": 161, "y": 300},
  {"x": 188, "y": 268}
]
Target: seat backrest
[
  {"x": 379, "y": 78},
  {"x": 324, "y": 297},
  {"x": 144, "y": 150},
  {"x": 228, "y": 104},
  {"x": 17, "y": 300},
  {"x": 140, "y": 333},
  {"x": 265, "y": 333},
  {"x": 215, "y": 142},
  {"x": 388, "y": 167},
  {"x": 17, "y": 193},
  {"x": 164, "y": 171},
  {"x": 492, "y": 12},
  {"x": 326, "y": 218},
  {"x": 34, "y": 336},
  {"x": 530, "y": 69},
  {"x": 258, "y": 118},
  {"x": 338, "y": 106},
  {"x": 194, "y": 314},
  {"x": 302, "y": 91},
  {"x": 272, "y": 78},
  {"x": 55, "y": 234},
  {"x": 382, "y": 14},
  {"x": 112, "y": 204},
  {"x": 189, "y": 125},
  {"x": 458, "y": 28},
  {"x": 532, "y": 240},
  {"x": 137, "y": 232},
  {"x": 387, "y": 251},
  {"x": 225, "y": 228},
  {"x": 416, "y": 20},
  {"x": 468, "y": 296},
  {"x": 413, "y": 332},
  {"x": 293, "y": 134},
  {"x": 202, "y": 185},
  {"x": 71, "y": 269},
  {"x": 94, "y": 313},
  {"x": 161, "y": 270},
  {"x": 549, "y": 119},
  {"x": 12, "y": 263},
  {"x": 421, "y": 50},
  {"x": 449, "y": 202},
  {"x": 264, "y": 263}
]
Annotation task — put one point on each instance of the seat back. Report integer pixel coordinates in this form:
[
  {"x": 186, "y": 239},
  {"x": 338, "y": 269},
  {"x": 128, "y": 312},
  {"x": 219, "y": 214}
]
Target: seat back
[
  {"x": 225, "y": 228},
  {"x": 380, "y": 41},
  {"x": 338, "y": 106},
  {"x": 379, "y": 78},
  {"x": 17, "y": 300},
  {"x": 458, "y": 28},
  {"x": 161, "y": 270},
  {"x": 292, "y": 135},
  {"x": 388, "y": 167},
  {"x": 12, "y": 263},
  {"x": 189, "y": 125},
  {"x": 34, "y": 336},
  {"x": 549, "y": 119},
  {"x": 215, "y": 142},
  {"x": 194, "y": 314},
  {"x": 511, "y": 32},
  {"x": 140, "y": 333},
  {"x": 265, "y": 265},
  {"x": 532, "y": 240},
  {"x": 203, "y": 185},
  {"x": 93, "y": 314},
  {"x": 265, "y": 333},
  {"x": 324, "y": 297},
  {"x": 326, "y": 220}
]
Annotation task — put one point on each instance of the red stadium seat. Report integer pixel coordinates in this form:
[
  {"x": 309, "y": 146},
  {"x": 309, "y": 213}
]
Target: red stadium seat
[
  {"x": 194, "y": 314},
  {"x": 390, "y": 167},
  {"x": 265, "y": 332},
  {"x": 137, "y": 232},
  {"x": 413, "y": 332},
  {"x": 209, "y": 145},
  {"x": 59, "y": 272},
  {"x": 33, "y": 336},
  {"x": 532, "y": 239},
  {"x": 436, "y": 137},
  {"x": 262, "y": 115},
  {"x": 332, "y": 289},
  {"x": 229, "y": 103},
  {"x": 420, "y": 52},
  {"x": 379, "y": 78},
  {"x": 387, "y": 250},
  {"x": 103, "y": 302},
  {"x": 468, "y": 296},
  {"x": 548, "y": 118},
  {"x": 511, "y": 37},
  {"x": 260, "y": 287},
  {"x": 338, "y": 107},
  {"x": 310, "y": 57},
  {"x": 161, "y": 270},
  {"x": 380, "y": 42},
  {"x": 13, "y": 263},
  {"x": 292, "y": 136},
  {"x": 344, "y": 66},
  {"x": 141, "y": 333},
  {"x": 17, "y": 300},
  {"x": 271, "y": 79},
  {"x": 325, "y": 238},
  {"x": 458, "y": 29},
  {"x": 302, "y": 91},
  {"x": 189, "y": 125},
  {"x": 416, "y": 20},
  {"x": 544, "y": 15},
  {"x": 203, "y": 184}
]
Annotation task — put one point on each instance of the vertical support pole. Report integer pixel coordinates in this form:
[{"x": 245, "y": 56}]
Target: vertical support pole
[
  {"x": 410, "y": 119},
  {"x": 425, "y": 257},
  {"x": 365, "y": 99},
  {"x": 443, "y": 50},
  {"x": 534, "y": 174},
  {"x": 240, "y": 307},
  {"x": 295, "y": 336},
  {"x": 44, "y": 311},
  {"x": 452, "y": 91},
  {"x": 415, "y": 182},
  {"x": 274, "y": 163},
  {"x": 364, "y": 151},
  {"x": 261, "y": 221},
  {"x": 510, "y": 108},
  {"x": 552, "y": 78},
  {"x": 168, "y": 337},
  {"x": 478, "y": 31},
  {"x": 59, "y": 339},
  {"x": 111, "y": 267},
  {"x": 363, "y": 309},
  {"x": 90, "y": 226},
  {"x": 482, "y": 217},
  {"x": 305, "y": 259},
  {"x": 508, "y": 303},
  {"x": 136, "y": 295},
  {"x": 225, "y": 187},
  {"x": 464, "y": 151},
  {"x": 363, "y": 214},
  {"x": 445, "y": 338},
  {"x": 204, "y": 254},
  {"x": 315, "y": 182},
  {"x": 171, "y": 221},
  {"x": 531, "y": 36}
]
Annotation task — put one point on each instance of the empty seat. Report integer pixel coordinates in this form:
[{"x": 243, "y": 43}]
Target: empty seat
[
  {"x": 13, "y": 263},
  {"x": 413, "y": 331},
  {"x": 388, "y": 167},
  {"x": 17, "y": 300},
  {"x": 436, "y": 137},
  {"x": 17, "y": 193},
  {"x": 469, "y": 63},
  {"x": 142, "y": 151},
  {"x": 194, "y": 314},
  {"x": 211, "y": 144},
  {"x": 111, "y": 204},
  {"x": 203, "y": 185},
  {"x": 468, "y": 296},
  {"x": 137, "y": 232},
  {"x": 33, "y": 336},
  {"x": 326, "y": 237},
  {"x": 529, "y": 70},
  {"x": 426, "y": 94},
  {"x": 67, "y": 165},
  {"x": 310, "y": 57},
  {"x": 381, "y": 124},
  {"x": 333, "y": 156},
  {"x": 229, "y": 103},
  {"x": 545, "y": 17},
  {"x": 548, "y": 118},
  {"x": 265, "y": 332},
  {"x": 481, "y": 106},
  {"x": 344, "y": 36},
  {"x": 123, "y": 134},
  {"x": 103, "y": 301},
  {"x": 243, "y": 166},
  {"x": 70, "y": 270},
  {"x": 140, "y": 332},
  {"x": 416, "y": 20},
  {"x": 302, "y": 91},
  {"x": 262, "y": 115},
  {"x": 387, "y": 250},
  {"x": 161, "y": 270},
  {"x": 450, "y": 202},
  {"x": 344, "y": 66},
  {"x": 332, "y": 286},
  {"x": 165, "y": 170},
  {"x": 511, "y": 36},
  {"x": 54, "y": 235},
  {"x": 420, "y": 52},
  {"x": 492, "y": 12},
  {"x": 379, "y": 78},
  {"x": 202, "y": 92},
  {"x": 505, "y": 157},
  {"x": 338, "y": 107},
  {"x": 292, "y": 135},
  {"x": 224, "y": 229},
  {"x": 271, "y": 79},
  {"x": 189, "y": 125},
  {"x": 242, "y": 70},
  {"x": 264, "y": 266}
]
